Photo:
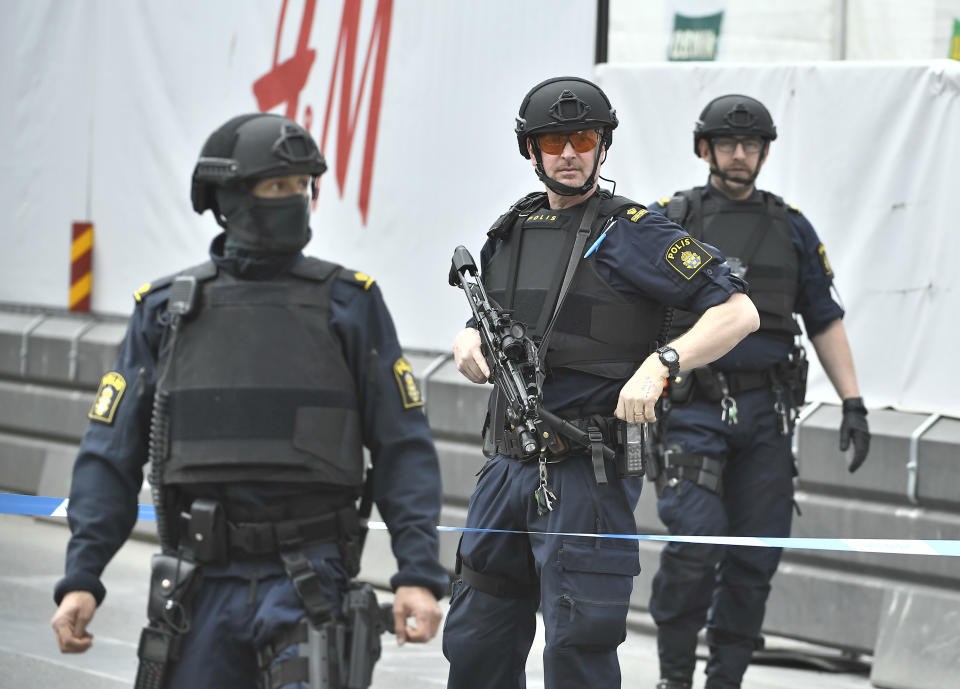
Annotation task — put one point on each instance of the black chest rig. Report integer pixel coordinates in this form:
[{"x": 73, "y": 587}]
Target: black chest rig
[
  {"x": 256, "y": 386},
  {"x": 756, "y": 238},
  {"x": 597, "y": 330}
]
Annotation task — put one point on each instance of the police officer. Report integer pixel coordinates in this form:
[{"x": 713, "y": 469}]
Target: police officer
[
  {"x": 253, "y": 381},
  {"x": 606, "y": 362},
  {"x": 729, "y": 464}
]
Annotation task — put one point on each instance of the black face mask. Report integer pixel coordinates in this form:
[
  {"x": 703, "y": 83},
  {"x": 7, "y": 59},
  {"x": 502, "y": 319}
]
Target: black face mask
[{"x": 280, "y": 225}]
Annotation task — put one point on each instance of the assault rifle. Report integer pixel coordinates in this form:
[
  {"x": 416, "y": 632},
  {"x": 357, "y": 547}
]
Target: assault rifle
[{"x": 515, "y": 365}]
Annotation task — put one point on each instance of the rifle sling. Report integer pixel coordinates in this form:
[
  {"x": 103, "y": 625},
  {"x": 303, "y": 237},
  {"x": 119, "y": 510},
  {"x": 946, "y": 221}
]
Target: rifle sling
[{"x": 586, "y": 224}]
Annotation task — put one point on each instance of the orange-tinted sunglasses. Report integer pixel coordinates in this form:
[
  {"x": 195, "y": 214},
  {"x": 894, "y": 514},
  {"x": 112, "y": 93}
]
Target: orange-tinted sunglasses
[{"x": 582, "y": 141}]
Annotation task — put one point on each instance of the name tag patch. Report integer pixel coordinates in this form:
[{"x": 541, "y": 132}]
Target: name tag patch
[
  {"x": 687, "y": 256},
  {"x": 409, "y": 391},
  {"x": 105, "y": 405},
  {"x": 545, "y": 218}
]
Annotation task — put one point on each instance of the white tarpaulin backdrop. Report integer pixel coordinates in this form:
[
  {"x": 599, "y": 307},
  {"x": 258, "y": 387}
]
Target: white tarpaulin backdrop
[
  {"x": 868, "y": 152},
  {"x": 107, "y": 104}
]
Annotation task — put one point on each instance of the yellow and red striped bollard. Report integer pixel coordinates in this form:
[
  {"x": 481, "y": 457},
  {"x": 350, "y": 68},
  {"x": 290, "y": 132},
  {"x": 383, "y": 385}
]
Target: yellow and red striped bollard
[{"x": 81, "y": 266}]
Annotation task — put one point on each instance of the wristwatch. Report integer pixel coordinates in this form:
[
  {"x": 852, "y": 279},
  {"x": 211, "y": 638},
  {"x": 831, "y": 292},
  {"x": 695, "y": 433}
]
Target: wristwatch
[{"x": 669, "y": 358}]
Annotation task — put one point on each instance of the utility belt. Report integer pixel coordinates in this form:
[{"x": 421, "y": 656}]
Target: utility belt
[
  {"x": 601, "y": 430},
  {"x": 214, "y": 540},
  {"x": 713, "y": 385}
]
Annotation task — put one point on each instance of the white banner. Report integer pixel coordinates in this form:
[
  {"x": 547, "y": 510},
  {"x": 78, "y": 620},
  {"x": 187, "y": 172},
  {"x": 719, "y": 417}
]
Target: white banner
[
  {"x": 868, "y": 152},
  {"x": 107, "y": 104}
]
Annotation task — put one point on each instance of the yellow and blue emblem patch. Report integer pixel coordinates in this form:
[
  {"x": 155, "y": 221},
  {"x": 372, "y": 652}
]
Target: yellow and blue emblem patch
[
  {"x": 824, "y": 262},
  {"x": 409, "y": 391},
  {"x": 108, "y": 398},
  {"x": 687, "y": 256}
]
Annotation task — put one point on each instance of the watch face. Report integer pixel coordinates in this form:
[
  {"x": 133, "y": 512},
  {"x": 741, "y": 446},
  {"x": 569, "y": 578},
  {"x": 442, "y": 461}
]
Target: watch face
[{"x": 669, "y": 355}]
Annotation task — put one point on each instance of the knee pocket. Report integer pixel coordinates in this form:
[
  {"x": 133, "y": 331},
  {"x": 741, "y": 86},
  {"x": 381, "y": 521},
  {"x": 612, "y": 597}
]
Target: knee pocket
[{"x": 595, "y": 583}]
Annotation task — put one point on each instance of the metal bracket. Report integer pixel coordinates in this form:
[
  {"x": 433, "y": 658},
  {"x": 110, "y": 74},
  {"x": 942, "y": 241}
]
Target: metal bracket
[
  {"x": 432, "y": 368},
  {"x": 75, "y": 349},
  {"x": 913, "y": 466},
  {"x": 24, "y": 342}
]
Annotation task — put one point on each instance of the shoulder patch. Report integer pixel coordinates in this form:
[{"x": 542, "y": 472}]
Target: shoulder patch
[
  {"x": 824, "y": 262},
  {"x": 108, "y": 398},
  {"x": 636, "y": 213},
  {"x": 795, "y": 209},
  {"x": 687, "y": 256},
  {"x": 664, "y": 201},
  {"x": 409, "y": 391}
]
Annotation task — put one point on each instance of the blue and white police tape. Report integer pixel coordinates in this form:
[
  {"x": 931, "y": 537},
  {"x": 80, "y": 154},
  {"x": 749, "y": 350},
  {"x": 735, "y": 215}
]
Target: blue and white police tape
[{"x": 40, "y": 506}]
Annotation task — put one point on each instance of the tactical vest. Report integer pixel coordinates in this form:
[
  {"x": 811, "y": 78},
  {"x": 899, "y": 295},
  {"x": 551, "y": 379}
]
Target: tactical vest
[
  {"x": 754, "y": 235},
  {"x": 598, "y": 330},
  {"x": 256, "y": 387}
]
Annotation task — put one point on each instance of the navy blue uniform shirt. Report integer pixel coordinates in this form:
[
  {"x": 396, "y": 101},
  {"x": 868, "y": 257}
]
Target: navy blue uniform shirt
[
  {"x": 815, "y": 304},
  {"x": 632, "y": 259},
  {"x": 108, "y": 472}
]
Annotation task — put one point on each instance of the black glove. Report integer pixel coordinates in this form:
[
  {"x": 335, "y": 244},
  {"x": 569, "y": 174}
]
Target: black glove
[{"x": 854, "y": 427}]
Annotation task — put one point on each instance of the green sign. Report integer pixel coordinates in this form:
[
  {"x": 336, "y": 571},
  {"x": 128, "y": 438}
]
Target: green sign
[
  {"x": 694, "y": 38},
  {"x": 955, "y": 41}
]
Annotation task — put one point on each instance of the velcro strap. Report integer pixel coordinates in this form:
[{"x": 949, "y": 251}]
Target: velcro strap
[
  {"x": 700, "y": 469},
  {"x": 290, "y": 637},
  {"x": 498, "y": 586},
  {"x": 596, "y": 455},
  {"x": 289, "y": 671},
  {"x": 306, "y": 581}
]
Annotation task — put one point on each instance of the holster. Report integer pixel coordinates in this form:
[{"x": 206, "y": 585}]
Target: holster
[
  {"x": 708, "y": 386},
  {"x": 173, "y": 583},
  {"x": 792, "y": 375},
  {"x": 680, "y": 388}
]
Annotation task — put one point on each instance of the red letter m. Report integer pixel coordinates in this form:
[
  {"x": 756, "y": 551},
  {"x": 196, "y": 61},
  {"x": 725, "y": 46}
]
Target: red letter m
[
  {"x": 285, "y": 81},
  {"x": 347, "y": 119}
]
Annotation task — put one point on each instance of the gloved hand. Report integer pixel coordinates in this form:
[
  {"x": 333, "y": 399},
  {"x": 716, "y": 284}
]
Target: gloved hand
[{"x": 854, "y": 427}]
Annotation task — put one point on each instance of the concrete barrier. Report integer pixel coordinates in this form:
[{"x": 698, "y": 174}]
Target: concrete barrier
[{"x": 902, "y": 609}]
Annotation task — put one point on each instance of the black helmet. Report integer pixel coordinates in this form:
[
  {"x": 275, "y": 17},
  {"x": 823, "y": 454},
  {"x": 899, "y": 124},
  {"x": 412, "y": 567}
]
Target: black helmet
[
  {"x": 251, "y": 147},
  {"x": 731, "y": 115},
  {"x": 564, "y": 104}
]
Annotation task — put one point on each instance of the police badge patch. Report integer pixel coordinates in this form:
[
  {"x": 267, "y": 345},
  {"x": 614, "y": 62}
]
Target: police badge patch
[
  {"x": 409, "y": 391},
  {"x": 687, "y": 256},
  {"x": 824, "y": 262},
  {"x": 108, "y": 397}
]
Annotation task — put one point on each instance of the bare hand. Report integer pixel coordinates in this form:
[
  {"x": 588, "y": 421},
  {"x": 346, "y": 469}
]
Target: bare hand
[
  {"x": 416, "y": 602},
  {"x": 71, "y": 619},
  {"x": 639, "y": 395},
  {"x": 470, "y": 360}
]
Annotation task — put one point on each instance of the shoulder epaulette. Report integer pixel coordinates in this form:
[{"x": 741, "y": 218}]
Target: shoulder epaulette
[
  {"x": 202, "y": 271},
  {"x": 356, "y": 278},
  {"x": 663, "y": 202},
  {"x": 795, "y": 209},
  {"x": 621, "y": 206}
]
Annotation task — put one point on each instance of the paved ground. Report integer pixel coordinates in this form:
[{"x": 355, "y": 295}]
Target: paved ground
[{"x": 31, "y": 561}]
